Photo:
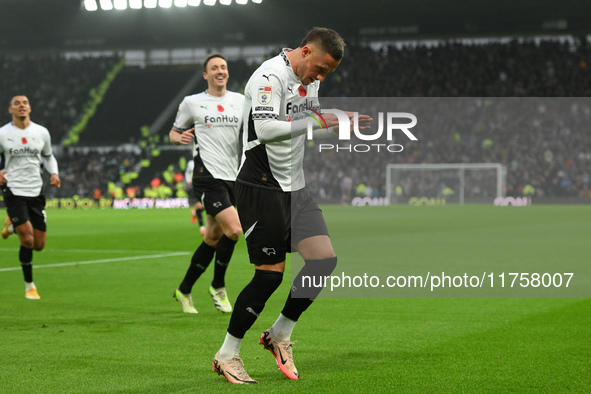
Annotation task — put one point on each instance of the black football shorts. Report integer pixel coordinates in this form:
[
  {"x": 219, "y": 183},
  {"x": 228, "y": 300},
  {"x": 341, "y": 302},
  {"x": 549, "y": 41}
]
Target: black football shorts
[
  {"x": 273, "y": 222},
  {"x": 216, "y": 194},
  {"x": 22, "y": 209}
]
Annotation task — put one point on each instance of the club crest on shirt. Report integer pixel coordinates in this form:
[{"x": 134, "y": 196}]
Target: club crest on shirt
[{"x": 265, "y": 94}]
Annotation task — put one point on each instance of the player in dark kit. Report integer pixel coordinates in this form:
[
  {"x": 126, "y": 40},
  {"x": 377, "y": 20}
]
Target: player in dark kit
[
  {"x": 212, "y": 121},
  {"x": 195, "y": 201},
  {"x": 277, "y": 213},
  {"x": 25, "y": 148}
]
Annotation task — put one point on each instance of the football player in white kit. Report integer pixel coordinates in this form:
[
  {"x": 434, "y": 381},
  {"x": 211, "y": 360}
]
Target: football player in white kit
[
  {"x": 212, "y": 120},
  {"x": 277, "y": 212},
  {"x": 25, "y": 148}
]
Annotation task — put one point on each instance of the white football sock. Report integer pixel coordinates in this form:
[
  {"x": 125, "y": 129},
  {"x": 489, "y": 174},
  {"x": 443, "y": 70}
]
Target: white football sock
[
  {"x": 29, "y": 286},
  {"x": 11, "y": 229},
  {"x": 282, "y": 328},
  {"x": 230, "y": 347}
]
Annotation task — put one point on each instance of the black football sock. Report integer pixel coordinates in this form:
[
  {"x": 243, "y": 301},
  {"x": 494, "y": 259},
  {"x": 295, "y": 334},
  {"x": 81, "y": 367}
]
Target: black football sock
[
  {"x": 25, "y": 256},
  {"x": 251, "y": 301},
  {"x": 304, "y": 292},
  {"x": 223, "y": 255},
  {"x": 199, "y": 213},
  {"x": 199, "y": 263}
]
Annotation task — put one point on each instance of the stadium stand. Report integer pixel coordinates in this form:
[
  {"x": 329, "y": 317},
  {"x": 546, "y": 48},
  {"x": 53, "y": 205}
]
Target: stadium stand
[
  {"x": 57, "y": 87},
  {"x": 136, "y": 98},
  {"x": 556, "y": 161}
]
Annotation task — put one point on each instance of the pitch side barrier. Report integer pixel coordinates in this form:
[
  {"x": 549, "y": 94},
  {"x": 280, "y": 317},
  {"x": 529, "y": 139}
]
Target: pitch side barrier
[
  {"x": 151, "y": 203},
  {"x": 117, "y": 203}
]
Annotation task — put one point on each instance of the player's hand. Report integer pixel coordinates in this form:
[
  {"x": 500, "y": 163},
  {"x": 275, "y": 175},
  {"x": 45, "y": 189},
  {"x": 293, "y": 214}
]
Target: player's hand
[
  {"x": 3, "y": 179},
  {"x": 55, "y": 180},
  {"x": 198, "y": 205},
  {"x": 332, "y": 120},
  {"x": 362, "y": 119},
  {"x": 187, "y": 136}
]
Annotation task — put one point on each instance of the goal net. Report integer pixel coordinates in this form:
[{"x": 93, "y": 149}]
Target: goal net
[{"x": 440, "y": 184}]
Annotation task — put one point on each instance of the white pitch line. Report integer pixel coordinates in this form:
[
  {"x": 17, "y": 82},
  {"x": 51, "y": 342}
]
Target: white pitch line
[
  {"x": 51, "y": 250},
  {"x": 100, "y": 261}
]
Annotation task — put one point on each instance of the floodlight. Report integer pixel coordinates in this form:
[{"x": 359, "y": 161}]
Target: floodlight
[
  {"x": 93, "y": 5},
  {"x": 120, "y": 4},
  {"x": 106, "y": 5},
  {"x": 90, "y": 5}
]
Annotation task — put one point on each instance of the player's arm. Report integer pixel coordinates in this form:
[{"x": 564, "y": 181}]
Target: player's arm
[
  {"x": 49, "y": 161},
  {"x": 267, "y": 93},
  {"x": 50, "y": 164},
  {"x": 3, "y": 172},
  {"x": 178, "y": 137},
  {"x": 183, "y": 130},
  {"x": 273, "y": 130},
  {"x": 270, "y": 130}
]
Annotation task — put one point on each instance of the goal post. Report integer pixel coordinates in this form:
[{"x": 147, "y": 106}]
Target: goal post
[{"x": 440, "y": 183}]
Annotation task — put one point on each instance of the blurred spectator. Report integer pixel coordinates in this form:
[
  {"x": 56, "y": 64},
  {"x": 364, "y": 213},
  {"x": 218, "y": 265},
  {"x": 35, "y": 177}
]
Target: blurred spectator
[
  {"x": 546, "y": 147},
  {"x": 58, "y": 87}
]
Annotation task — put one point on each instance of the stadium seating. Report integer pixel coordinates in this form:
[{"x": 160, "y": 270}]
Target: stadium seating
[{"x": 553, "y": 165}]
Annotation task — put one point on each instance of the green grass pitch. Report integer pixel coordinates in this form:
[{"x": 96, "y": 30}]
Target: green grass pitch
[{"x": 107, "y": 322}]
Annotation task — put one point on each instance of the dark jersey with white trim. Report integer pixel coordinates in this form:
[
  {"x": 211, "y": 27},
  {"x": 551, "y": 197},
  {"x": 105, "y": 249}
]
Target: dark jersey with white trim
[
  {"x": 217, "y": 122},
  {"x": 275, "y": 92}
]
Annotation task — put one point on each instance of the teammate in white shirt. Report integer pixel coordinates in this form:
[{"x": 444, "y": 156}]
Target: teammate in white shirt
[
  {"x": 25, "y": 147},
  {"x": 277, "y": 213},
  {"x": 212, "y": 121}
]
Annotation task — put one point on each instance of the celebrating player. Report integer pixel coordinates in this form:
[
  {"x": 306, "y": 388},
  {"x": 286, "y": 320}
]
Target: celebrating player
[
  {"x": 276, "y": 211},
  {"x": 24, "y": 147},
  {"x": 212, "y": 121}
]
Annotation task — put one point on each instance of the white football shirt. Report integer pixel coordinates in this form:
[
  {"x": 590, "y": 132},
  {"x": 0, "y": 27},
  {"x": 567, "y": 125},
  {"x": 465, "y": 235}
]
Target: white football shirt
[
  {"x": 217, "y": 122},
  {"x": 275, "y": 92},
  {"x": 23, "y": 151}
]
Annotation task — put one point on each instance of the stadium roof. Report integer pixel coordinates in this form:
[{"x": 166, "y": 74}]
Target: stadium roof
[{"x": 27, "y": 25}]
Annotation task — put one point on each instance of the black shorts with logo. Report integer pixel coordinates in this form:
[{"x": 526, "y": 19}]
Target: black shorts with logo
[
  {"x": 274, "y": 222},
  {"x": 216, "y": 194},
  {"x": 22, "y": 209}
]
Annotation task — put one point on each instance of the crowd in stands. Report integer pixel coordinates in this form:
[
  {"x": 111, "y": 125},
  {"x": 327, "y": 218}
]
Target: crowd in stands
[
  {"x": 57, "y": 87},
  {"x": 510, "y": 69},
  {"x": 87, "y": 173},
  {"x": 544, "y": 142}
]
